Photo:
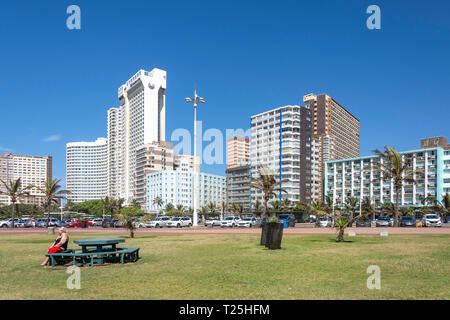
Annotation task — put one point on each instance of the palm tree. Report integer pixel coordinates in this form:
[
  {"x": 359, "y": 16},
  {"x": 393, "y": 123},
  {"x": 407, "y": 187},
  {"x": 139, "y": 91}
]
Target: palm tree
[
  {"x": 52, "y": 194},
  {"x": 397, "y": 170},
  {"x": 116, "y": 205},
  {"x": 180, "y": 209},
  {"x": 15, "y": 192},
  {"x": 106, "y": 204},
  {"x": 158, "y": 202},
  {"x": 388, "y": 208},
  {"x": 276, "y": 206},
  {"x": 223, "y": 208},
  {"x": 317, "y": 209},
  {"x": 203, "y": 212},
  {"x": 286, "y": 204},
  {"x": 351, "y": 205},
  {"x": 257, "y": 207},
  {"x": 128, "y": 219},
  {"x": 169, "y": 207},
  {"x": 444, "y": 206},
  {"x": 136, "y": 204},
  {"x": 268, "y": 184},
  {"x": 212, "y": 208},
  {"x": 342, "y": 221},
  {"x": 368, "y": 207}
]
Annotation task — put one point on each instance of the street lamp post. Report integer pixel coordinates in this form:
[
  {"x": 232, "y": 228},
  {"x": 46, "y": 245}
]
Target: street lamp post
[{"x": 195, "y": 100}]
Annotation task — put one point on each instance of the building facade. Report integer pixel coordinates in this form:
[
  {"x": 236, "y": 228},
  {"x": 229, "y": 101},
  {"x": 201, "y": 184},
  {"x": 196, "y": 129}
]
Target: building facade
[
  {"x": 175, "y": 186},
  {"x": 32, "y": 170},
  {"x": 237, "y": 187},
  {"x": 87, "y": 170},
  {"x": 281, "y": 141},
  {"x": 139, "y": 120},
  {"x": 153, "y": 157},
  {"x": 358, "y": 177},
  {"x": 238, "y": 152},
  {"x": 335, "y": 129}
]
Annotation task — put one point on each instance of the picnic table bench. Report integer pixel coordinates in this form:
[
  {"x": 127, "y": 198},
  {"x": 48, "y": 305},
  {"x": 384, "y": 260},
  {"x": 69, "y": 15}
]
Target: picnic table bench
[{"x": 104, "y": 250}]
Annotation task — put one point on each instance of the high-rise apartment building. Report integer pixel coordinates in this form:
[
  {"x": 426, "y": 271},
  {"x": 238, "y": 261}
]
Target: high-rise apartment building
[
  {"x": 175, "y": 186},
  {"x": 238, "y": 190},
  {"x": 152, "y": 157},
  {"x": 86, "y": 170},
  {"x": 139, "y": 120},
  {"x": 281, "y": 141},
  {"x": 238, "y": 152},
  {"x": 335, "y": 129},
  {"x": 359, "y": 177},
  {"x": 32, "y": 170}
]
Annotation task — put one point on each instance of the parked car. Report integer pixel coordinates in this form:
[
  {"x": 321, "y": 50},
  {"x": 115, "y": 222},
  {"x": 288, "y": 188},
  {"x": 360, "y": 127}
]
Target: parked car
[
  {"x": 407, "y": 221},
  {"x": 363, "y": 222},
  {"x": 179, "y": 222},
  {"x": 96, "y": 222},
  {"x": 27, "y": 223},
  {"x": 119, "y": 224},
  {"x": 212, "y": 222},
  {"x": 431, "y": 220},
  {"x": 42, "y": 222},
  {"x": 159, "y": 222},
  {"x": 108, "y": 223},
  {"x": 78, "y": 224},
  {"x": 144, "y": 224},
  {"x": 384, "y": 221},
  {"x": 325, "y": 222},
  {"x": 18, "y": 223},
  {"x": 230, "y": 222},
  {"x": 290, "y": 217},
  {"x": 248, "y": 222}
]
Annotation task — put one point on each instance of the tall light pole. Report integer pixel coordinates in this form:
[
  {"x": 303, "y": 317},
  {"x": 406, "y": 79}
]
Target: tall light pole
[{"x": 195, "y": 100}]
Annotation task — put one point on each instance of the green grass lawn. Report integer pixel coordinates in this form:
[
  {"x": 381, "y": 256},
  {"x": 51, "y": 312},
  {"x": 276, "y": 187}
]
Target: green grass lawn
[{"x": 236, "y": 267}]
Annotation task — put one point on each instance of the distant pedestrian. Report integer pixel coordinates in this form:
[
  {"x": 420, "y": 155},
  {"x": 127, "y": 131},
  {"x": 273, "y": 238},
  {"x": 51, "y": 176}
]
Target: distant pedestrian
[{"x": 33, "y": 223}]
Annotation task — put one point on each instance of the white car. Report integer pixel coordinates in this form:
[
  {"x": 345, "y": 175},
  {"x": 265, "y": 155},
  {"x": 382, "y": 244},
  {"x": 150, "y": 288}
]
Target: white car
[
  {"x": 97, "y": 222},
  {"x": 179, "y": 222},
  {"x": 431, "y": 220},
  {"x": 159, "y": 222},
  {"x": 247, "y": 222},
  {"x": 18, "y": 223},
  {"x": 212, "y": 222},
  {"x": 325, "y": 222},
  {"x": 230, "y": 222}
]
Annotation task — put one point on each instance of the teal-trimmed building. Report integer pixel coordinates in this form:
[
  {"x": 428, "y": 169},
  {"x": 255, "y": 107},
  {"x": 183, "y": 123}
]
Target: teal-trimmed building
[{"x": 358, "y": 177}]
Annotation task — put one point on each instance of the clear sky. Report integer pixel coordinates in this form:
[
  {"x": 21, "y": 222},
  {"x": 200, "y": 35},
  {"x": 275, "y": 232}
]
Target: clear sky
[{"x": 245, "y": 57}]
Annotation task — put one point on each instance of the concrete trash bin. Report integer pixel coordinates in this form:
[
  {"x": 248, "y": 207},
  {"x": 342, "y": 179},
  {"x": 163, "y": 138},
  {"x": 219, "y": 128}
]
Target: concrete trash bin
[{"x": 51, "y": 230}]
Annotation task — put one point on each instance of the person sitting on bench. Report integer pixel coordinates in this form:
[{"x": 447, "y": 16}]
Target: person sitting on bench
[{"x": 59, "y": 245}]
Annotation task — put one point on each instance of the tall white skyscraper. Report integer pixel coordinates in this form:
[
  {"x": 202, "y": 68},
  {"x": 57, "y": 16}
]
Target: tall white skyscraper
[
  {"x": 139, "y": 120},
  {"x": 86, "y": 170}
]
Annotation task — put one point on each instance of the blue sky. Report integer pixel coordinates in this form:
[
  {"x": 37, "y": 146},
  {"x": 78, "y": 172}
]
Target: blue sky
[{"x": 245, "y": 57}]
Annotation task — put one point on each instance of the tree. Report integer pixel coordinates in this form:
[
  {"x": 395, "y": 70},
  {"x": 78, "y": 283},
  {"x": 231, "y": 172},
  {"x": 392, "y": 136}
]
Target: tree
[
  {"x": 286, "y": 204},
  {"x": 169, "y": 207},
  {"x": 388, "y": 208},
  {"x": 180, "y": 209},
  {"x": 203, "y": 212},
  {"x": 317, "y": 209},
  {"x": 276, "y": 206},
  {"x": 212, "y": 208},
  {"x": 268, "y": 184},
  {"x": 223, "y": 208},
  {"x": 368, "y": 207},
  {"x": 15, "y": 192},
  {"x": 106, "y": 204},
  {"x": 257, "y": 207},
  {"x": 128, "y": 217},
  {"x": 136, "y": 204},
  {"x": 351, "y": 205},
  {"x": 158, "y": 202},
  {"x": 395, "y": 169},
  {"x": 443, "y": 207},
  {"x": 342, "y": 221},
  {"x": 52, "y": 194}
]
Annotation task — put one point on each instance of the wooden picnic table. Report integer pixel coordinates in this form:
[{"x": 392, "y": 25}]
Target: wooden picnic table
[
  {"x": 95, "y": 251},
  {"x": 101, "y": 245}
]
